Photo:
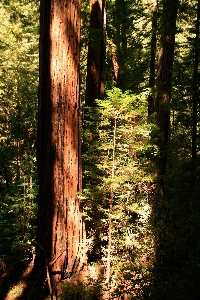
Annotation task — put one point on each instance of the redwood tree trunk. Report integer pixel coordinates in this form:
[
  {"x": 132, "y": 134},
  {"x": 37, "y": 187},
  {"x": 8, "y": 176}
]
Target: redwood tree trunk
[
  {"x": 120, "y": 47},
  {"x": 96, "y": 53},
  {"x": 164, "y": 87},
  {"x": 60, "y": 221}
]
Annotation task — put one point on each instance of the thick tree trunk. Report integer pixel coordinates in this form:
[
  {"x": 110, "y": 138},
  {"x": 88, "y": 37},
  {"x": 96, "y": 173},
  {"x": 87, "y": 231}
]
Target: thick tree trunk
[
  {"x": 119, "y": 56},
  {"x": 60, "y": 221},
  {"x": 164, "y": 87},
  {"x": 96, "y": 53}
]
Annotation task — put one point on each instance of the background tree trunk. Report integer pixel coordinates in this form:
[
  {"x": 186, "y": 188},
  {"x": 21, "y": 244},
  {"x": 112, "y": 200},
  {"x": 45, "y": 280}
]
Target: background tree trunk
[
  {"x": 164, "y": 87},
  {"x": 96, "y": 53},
  {"x": 195, "y": 86},
  {"x": 60, "y": 222},
  {"x": 153, "y": 58}
]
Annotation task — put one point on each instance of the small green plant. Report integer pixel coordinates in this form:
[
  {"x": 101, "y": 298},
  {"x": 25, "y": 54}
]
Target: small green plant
[
  {"x": 116, "y": 173},
  {"x": 81, "y": 291}
]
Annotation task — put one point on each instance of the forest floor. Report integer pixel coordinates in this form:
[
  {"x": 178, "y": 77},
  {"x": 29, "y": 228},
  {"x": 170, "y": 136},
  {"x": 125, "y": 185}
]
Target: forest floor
[
  {"x": 18, "y": 283},
  {"x": 15, "y": 280}
]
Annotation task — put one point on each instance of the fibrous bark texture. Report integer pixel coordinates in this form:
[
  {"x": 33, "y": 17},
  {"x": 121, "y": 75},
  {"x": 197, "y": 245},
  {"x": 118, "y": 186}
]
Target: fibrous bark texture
[{"x": 60, "y": 222}]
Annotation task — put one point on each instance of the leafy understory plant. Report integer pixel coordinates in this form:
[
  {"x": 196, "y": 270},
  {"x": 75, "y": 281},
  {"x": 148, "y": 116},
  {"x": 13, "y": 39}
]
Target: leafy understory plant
[
  {"x": 18, "y": 98},
  {"x": 116, "y": 177}
]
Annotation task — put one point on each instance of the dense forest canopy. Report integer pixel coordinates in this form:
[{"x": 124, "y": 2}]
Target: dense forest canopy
[{"x": 99, "y": 166}]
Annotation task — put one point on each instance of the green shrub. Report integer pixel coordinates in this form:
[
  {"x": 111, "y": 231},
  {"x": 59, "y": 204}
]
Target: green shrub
[{"x": 81, "y": 291}]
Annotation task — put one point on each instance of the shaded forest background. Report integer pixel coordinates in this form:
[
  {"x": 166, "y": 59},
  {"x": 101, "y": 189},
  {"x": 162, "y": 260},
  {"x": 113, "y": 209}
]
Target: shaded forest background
[{"x": 137, "y": 248}]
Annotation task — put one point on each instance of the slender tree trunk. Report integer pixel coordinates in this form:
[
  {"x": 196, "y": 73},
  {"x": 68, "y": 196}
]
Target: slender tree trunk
[
  {"x": 60, "y": 222},
  {"x": 116, "y": 68},
  {"x": 194, "y": 205},
  {"x": 164, "y": 87},
  {"x": 110, "y": 225},
  {"x": 195, "y": 97},
  {"x": 153, "y": 58},
  {"x": 96, "y": 53}
]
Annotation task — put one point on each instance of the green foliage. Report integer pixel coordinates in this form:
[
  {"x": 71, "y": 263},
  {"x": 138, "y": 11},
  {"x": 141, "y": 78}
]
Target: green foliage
[
  {"x": 176, "y": 274},
  {"x": 128, "y": 39},
  {"x": 177, "y": 247},
  {"x": 116, "y": 172},
  {"x": 116, "y": 158},
  {"x": 81, "y": 290},
  {"x": 18, "y": 98},
  {"x": 17, "y": 225}
]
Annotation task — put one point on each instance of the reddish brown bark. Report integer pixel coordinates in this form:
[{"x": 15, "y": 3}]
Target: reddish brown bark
[
  {"x": 116, "y": 67},
  {"x": 96, "y": 53},
  {"x": 164, "y": 86},
  {"x": 119, "y": 54},
  {"x": 60, "y": 221}
]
